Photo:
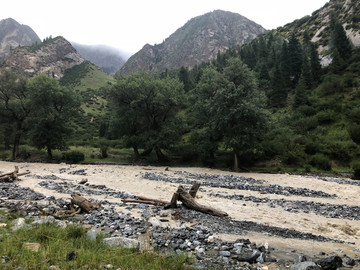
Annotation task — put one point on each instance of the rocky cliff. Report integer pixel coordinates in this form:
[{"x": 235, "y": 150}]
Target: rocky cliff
[
  {"x": 51, "y": 57},
  {"x": 199, "y": 40},
  {"x": 14, "y": 34}
]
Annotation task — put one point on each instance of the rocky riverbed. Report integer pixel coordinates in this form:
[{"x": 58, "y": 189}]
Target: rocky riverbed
[{"x": 275, "y": 221}]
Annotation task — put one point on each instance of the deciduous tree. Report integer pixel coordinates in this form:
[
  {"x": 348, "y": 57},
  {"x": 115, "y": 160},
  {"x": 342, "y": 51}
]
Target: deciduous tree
[
  {"x": 145, "y": 112},
  {"x": 14, "y": 107},
  {"x": 53, "y": 110}
]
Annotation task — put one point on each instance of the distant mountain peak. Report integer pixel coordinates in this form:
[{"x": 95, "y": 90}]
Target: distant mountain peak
[
  {"x": 199, "y": 40},
  {"x": 14, "y": 34}
]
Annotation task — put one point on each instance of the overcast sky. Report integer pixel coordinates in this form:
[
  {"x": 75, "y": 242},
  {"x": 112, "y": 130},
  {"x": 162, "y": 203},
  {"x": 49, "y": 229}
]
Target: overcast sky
[{"x": 129, "y": 25}]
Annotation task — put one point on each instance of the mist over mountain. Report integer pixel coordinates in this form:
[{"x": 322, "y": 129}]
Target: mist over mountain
[
  {"x": 199, "y": 40},
  {"x": 14, "y": 34},
  {"x": 109, "y": 59}
]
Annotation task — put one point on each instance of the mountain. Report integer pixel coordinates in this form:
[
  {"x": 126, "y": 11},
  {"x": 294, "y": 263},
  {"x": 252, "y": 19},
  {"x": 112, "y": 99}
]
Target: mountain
[
  {"x": 199, "y": 40},
  {"x": 14, "y": 34},
  {"x": 107, "y": 58},
  {"x": 52, "y": 57}
]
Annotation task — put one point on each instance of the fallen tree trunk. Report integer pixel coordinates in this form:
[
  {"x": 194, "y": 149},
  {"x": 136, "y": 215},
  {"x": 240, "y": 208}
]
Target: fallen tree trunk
[
  {"x": 141, "y": 201},
  {"x": 12, "y": 176},
  {"x": 83, "y": 203},
  {"x": 190, "y": 203},
  {"x": 152, "y": 200}
]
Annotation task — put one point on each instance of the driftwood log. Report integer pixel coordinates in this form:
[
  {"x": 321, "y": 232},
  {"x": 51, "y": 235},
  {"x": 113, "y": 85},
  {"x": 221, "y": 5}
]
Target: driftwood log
[
  {"x": 145, "y": 200},
  {"x": 187, "y": 198},
  {"x": 194, "y": 189},
  {"x": 83, "y": 203},
  {"x": 190, "y": 203},
  {"x": 12, "y": 176}
]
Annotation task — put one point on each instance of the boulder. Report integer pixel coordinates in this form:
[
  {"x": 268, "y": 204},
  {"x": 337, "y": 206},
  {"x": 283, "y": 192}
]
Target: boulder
[
  {"x": 330, "y": 263},
  {"x": 305, "y": 266},
  {"x": 122, "y": 241}
]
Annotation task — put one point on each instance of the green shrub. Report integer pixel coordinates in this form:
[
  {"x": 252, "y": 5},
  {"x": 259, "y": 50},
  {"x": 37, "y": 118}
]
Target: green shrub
[
  {"x": 74, "y": 156},
  {"x": 354, "y": 132},
  {"x": 307, "y": 124},
  {"x": 332, "y": 84},
  {"x": 356, "y": 168},
  {"x": 326, "y": 117},
  {"x": 321, "y": 162},
  {"x": 311, "y": 147}
]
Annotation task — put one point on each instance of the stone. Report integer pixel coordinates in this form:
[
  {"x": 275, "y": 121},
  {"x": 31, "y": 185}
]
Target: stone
[
  {"x": 210, "y": 239},
  {"x": 305, "y": 266},
  {"x": 43, "y": 203},
  {"x": 91, "y": 235},
  {"x": 224, "y": 253},
  {"x": 61, "y": 223},
  {"x": 272, "y": 266},
  {"x": 164, "y": 213},
  {"x": 20, "y": 223},
  {"x": 199, "y": 250},
  {"x": 330, "y": 263},
  {"x": 3, "y": 225},
  {"x": 351, "y": 262},
  {"x": 44, "y": 220},
  {"x": 122, "y": 241},
  {"x": 5, "y": 259},
  {"x": 249, "y": 256},
  {"x": 155, "y": 222},
  {"x": 32, "y": 246}
]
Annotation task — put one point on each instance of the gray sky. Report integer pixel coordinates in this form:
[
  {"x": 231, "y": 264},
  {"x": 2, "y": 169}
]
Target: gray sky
[{"x": 129, "y": 25}]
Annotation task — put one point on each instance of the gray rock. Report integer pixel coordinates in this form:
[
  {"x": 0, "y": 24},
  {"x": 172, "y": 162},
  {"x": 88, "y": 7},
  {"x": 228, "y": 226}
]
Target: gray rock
[
  {"x": 44, "y": 220},
  {"x": 351, "y": 262},
  {"x": 305, "y": 266},
  {"x": 164, "y": 213},
  {"x": 155, "y": 222},
  {"x": 20, "y": 224},
  {"x": 122, "y": 241},
  {"x": 199, "y": 250},
  {"x": 43, "y": 203},
  {"x": 61, "y": 223},
  {"x": 224, "y": 253},
  {"x": 91, "y": 235},
  {"x": 330, "y": 263}
]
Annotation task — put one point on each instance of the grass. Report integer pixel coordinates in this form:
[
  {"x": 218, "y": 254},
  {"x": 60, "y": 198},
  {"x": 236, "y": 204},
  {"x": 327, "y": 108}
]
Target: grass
[{"x": 56, "y": 244}]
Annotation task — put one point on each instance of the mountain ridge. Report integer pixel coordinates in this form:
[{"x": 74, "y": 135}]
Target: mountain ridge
[{"x": 198, "y": 40}]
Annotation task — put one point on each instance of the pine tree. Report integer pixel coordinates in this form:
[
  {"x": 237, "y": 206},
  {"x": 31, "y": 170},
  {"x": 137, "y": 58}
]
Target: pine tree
[
  {"x": 340, "y": 42},
  {"x": 315, "y": 65},
  {"x": 295, "y": 59},
  {"x": 278, "y": 95}
]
